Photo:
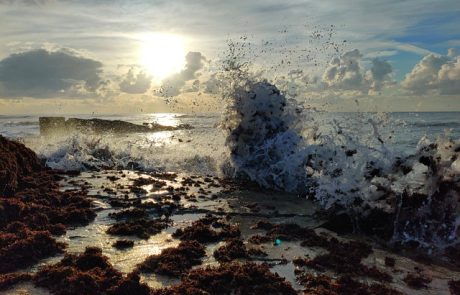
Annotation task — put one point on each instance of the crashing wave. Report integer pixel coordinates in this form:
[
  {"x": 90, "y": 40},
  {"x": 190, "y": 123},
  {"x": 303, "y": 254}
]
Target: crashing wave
[{"x": 354, "y": 167}]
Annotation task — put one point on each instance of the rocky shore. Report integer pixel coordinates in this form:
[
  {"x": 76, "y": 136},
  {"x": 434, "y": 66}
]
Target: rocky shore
[{"x": 131, "y": 232}]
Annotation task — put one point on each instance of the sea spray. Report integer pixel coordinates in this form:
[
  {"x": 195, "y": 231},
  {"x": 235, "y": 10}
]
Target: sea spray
[
  {"x": 161, "y": 151},
  {"x": 353, "y": 167},
  {"x": 262, "y": 138}
]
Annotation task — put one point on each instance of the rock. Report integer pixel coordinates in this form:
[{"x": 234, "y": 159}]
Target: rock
[{"x": 58, "y": 125}]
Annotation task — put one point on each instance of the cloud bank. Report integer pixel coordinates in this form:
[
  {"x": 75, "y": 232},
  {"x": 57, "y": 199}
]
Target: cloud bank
[{"x": 41, "y": 73}]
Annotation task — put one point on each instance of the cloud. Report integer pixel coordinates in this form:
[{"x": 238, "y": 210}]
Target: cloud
[
  {"x": 174, "y": 85},
  {"x": 434, "y": 74},
  {"x": 135, "y": 82},
  {"x": 41, "y": 73},
  {"x": 449, "y": 77},
  {"x": 452, "y": 52},
  {"x": 345, "y": 73},
  {"x": 379, "y": 75}
]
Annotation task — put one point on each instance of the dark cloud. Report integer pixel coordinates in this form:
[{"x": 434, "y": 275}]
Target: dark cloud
[
  {"x": 41, "y": 73},
  {"x": 174, "y": 85},
  {"x": 135, "y": 82}
]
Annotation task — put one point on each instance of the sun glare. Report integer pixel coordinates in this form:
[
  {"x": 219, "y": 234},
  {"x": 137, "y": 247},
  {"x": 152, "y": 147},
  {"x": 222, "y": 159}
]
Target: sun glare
[{"x": 162, "y": 55}]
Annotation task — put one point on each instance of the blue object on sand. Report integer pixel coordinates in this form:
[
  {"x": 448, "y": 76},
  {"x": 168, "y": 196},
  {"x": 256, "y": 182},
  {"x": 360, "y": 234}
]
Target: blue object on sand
[{"x": 277, "y": 242}]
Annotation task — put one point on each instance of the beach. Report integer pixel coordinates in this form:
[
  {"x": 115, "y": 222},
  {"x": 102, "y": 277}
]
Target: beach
[{"x": 158, "y": 231}]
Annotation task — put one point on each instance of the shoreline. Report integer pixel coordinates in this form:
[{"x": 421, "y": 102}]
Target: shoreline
[{"x": 177, "y": 201}]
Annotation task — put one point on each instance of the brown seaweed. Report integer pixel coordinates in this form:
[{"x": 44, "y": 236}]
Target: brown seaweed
[{"x": 174, "y": 261}]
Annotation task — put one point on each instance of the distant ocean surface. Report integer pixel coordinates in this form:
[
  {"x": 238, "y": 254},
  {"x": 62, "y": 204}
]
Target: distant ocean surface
[{"x": 199, "y": 149}]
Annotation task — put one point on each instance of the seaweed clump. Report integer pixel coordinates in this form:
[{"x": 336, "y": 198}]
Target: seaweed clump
[
  {"x": 123, "y": 244},
  {"x": 417, "y": 280},
  {"x": 87, "y": 273},
  {"x": 10, "y": 279},
  {"x": 324, "y": 285},
  {"x": 454, "y": 287},
  {"x": 142, "y": 228},
  {"x": 174, "y": 261},
  {"x": 233, "y": 249},
  {"x": 230, "y": 278},
  {"x": 345, "y": 258},
  {"x": 21, "y": 247},
  {"x": 32, "y": 208},
  {"x": 207, "y": 230}
]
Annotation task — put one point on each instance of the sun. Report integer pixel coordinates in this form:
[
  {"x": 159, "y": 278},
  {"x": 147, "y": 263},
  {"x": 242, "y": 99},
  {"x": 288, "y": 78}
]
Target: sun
[{"x": 162, "y": 55}]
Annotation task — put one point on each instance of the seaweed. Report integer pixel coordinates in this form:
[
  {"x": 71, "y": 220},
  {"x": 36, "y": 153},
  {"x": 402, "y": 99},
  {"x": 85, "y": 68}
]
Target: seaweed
[
  {"x": 11, "y": 279},
  {"x": 123, "y": 244},
  {"x": 142, "y": 228},
  {"x": 32, "y": 208},
  {"x": 174, "y": 261},
  {"x": 417, "y": 280},
  {"x": 87, "y": 273},
  {"x": 207, "y": 230},
  {"x": 233, "y": 249},
  {"x": 230, "y": 278},
  {"x": 21, "y": 247},
  {"x": 325, "y": 285},
  {"x": 454, "y": 287}
]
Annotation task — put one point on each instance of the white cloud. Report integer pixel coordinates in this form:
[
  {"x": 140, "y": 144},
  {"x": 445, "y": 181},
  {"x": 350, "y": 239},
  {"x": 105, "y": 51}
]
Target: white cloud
[
  {"x": 449, "y": 77},
  {"x": 434, "y": 74},
  {"x": 345, "y": 73}
]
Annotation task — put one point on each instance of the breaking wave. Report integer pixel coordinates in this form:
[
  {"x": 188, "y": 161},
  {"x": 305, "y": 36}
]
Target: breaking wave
[{"x": 345, "y": 165}]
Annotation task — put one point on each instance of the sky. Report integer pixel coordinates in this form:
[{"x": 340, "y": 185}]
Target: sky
[{"x": 114, "y": 56}]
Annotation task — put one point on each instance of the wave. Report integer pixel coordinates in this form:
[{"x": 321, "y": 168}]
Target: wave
[
  {"x": 161, "y": 151},
  {"x": 436, "y": 124},
  {"x": 20, "y": 123},
  {"x": 346, "y": 165}
]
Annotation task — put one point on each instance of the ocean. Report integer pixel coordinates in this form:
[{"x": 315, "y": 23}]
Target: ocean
[{"x": 175, "y": 150}]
